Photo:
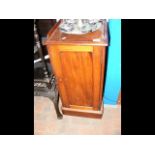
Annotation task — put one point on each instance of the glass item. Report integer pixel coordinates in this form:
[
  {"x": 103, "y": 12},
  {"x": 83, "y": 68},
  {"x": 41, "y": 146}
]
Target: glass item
[
  {"x": 80, "y": 26},
  {"x": 93, "y": 21},
  {"x": 85, "y": 21},
  {"x": 66, "y": 27},
  {"x": 71, "y": 21},
  {"x": 86, "y": 28}
]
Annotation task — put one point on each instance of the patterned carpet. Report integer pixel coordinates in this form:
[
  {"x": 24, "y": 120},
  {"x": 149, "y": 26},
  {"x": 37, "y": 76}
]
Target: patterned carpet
[{"x": 46, "y": 122}]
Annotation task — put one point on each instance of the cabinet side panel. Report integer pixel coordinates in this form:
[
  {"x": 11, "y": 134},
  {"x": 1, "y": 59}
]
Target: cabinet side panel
[
  {"x": 56, "y": 64},
  {"x": 97, "y": 76},
  {"x": 103, "y": 55}
]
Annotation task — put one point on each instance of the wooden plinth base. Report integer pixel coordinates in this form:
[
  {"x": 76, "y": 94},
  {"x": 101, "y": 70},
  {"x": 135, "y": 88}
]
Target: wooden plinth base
[{"x": 83, "y": 113}]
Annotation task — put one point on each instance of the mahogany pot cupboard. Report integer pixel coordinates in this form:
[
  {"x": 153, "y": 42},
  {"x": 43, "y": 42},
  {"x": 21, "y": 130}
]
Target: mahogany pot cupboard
[{"x": 78, "y": 62}]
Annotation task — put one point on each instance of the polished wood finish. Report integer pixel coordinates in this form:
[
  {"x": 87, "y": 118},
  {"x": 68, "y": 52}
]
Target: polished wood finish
[
  {"x": 78, "y": 63},
  {"x": 74, "y": 48}
]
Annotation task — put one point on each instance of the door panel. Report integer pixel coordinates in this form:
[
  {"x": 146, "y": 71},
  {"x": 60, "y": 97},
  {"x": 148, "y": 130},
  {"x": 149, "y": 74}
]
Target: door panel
[{"x": 77, "y": 73}]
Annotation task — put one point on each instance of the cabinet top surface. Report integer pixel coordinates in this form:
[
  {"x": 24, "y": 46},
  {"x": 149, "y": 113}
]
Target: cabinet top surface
[{"x": 99, "y": 37}]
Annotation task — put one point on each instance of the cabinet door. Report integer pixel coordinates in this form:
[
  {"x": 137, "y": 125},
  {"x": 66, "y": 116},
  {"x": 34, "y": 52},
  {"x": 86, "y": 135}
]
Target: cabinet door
[{"x": 78, "y": 77}]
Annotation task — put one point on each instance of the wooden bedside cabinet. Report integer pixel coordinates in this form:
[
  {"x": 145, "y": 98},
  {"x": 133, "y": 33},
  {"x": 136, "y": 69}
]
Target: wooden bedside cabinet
[{"x": 78, "y": 62}]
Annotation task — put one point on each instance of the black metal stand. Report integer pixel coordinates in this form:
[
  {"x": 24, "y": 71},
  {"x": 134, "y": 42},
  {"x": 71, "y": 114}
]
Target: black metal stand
[{"x": 46, "y": 85}]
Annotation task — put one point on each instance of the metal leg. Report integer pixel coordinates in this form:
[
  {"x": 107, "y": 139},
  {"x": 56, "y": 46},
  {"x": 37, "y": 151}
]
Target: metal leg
[
  {"x": 53, "y": 96},
  {"x": 56, "y": 105}
]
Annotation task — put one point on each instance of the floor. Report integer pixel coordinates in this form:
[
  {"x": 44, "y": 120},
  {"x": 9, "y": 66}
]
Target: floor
[{"x": 46, "y": 122}]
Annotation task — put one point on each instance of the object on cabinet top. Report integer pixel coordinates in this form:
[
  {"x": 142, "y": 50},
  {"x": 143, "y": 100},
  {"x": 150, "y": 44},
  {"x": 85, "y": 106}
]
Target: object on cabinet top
[
  {"x": 98, "y": 37},
  {"x": 80, "y": 26}
]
